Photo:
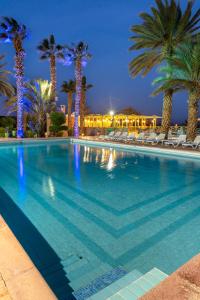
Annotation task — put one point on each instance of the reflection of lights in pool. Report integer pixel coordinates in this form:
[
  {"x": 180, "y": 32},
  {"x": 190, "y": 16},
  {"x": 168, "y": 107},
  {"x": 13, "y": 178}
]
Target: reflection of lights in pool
[
  {"x": 51, "y": 187},
  {"x": 22, "y": 187},
  {"x": 110, "y": 164}
]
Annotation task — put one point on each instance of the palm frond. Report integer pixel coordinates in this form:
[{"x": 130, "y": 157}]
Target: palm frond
[{"x": 161, "y": 31}]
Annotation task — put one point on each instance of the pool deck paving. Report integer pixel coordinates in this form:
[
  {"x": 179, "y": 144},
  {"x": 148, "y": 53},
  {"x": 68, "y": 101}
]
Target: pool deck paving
[
  {"x": 184, "y": 284},
  {"x": 19, "y": 278}
]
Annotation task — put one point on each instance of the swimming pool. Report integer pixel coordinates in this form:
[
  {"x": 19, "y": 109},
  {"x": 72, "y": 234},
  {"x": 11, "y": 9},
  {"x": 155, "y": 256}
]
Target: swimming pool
[{"x": 80, "y": 211}]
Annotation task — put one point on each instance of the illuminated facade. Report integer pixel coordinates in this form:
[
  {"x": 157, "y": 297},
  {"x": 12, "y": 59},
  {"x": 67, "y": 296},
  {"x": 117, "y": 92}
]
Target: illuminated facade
[{"x": 119, "y": 121}]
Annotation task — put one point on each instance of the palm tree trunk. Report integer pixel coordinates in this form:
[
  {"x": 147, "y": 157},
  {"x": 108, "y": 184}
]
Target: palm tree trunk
[
  {"x": 69, "y": 109},
  {"x": 82, "y": 111},
  {"x": 167, "y": 111},
  {"x": 78, "y": 77},
  {"x": 19, "y": 68},
  {"x": 192, "y": 117},
  {"x": 53, "y": 76}
]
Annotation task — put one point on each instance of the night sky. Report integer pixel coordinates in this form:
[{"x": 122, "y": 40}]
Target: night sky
[{"x": 105, "y": 26}]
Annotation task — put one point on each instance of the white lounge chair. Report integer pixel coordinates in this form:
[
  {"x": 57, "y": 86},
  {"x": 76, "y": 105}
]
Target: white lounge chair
[
  {"x": 195, "y": 144},
  {"x": 141, "y": 137},
  {"x": 158, "y": 139},
  {"x": 110, "y": 135},
  {"x": 176, "y": 142},
  {"x": 123, "y": 136},
  {"x": 151, "y": 137},
  {"x": 115, "y": 136},
  {"x": 104, "y": 137},
  {"x": 130, "y": 137}
]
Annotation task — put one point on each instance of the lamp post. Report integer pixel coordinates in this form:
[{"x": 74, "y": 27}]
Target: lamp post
[{"x": 111, "y": 113}]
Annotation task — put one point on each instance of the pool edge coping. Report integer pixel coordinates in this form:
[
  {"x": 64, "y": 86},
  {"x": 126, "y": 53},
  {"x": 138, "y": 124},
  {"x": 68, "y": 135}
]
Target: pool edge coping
[
  {"x": 138, "y": 148},
  {"x": 20, "y": 277}
]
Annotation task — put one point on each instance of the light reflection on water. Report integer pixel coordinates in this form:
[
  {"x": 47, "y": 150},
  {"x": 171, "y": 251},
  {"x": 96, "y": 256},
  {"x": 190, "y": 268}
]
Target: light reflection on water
[{"x": 21, "y": 177}]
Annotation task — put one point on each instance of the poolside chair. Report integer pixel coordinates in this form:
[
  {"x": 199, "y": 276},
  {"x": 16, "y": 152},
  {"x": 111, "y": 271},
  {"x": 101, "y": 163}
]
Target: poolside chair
[
  {"x": 151, "y": 137},
  {"x": 140, "y": 138},
  {"x": 122, "y": 137},
  {"x": 115, "y": 136},
  {"x": 176, "y": 142},
  {"x": 195, "y": 144},
  {"x": 130, "y": 137},
  {"x": 158, "y": 139},
  {"x": 110, "y": 135}
]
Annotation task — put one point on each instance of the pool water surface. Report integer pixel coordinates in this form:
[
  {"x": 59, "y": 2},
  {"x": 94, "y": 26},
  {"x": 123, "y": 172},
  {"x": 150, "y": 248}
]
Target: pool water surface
[{"x": 81, "y": 211}]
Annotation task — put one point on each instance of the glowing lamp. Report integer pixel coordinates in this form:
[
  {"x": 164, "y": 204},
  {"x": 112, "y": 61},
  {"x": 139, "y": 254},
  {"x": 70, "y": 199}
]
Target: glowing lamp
[{"x": 111, "y": 113}]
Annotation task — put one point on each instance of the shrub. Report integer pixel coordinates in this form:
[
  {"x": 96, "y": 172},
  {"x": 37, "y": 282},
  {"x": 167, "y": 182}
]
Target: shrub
[
  {"x": 29, "y": 134},
  {"x": 2, "y": 132},
  {"x": 8, "y": 122},
  {"x": 70, "y": 132},
  {"x": 57, "y": 123}
]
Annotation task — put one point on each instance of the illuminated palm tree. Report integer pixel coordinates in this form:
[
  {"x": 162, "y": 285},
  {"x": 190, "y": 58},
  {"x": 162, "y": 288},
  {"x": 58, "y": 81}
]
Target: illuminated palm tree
[
  {"x": 159, "y": 34},
  {"x": 69, "y": 88},
  {"x": 185, "y": 75},
  {"x": 85, "y": 88},
  {"x": 13, "y": 32},
  {"x": 6, "y": 88},
  {"x": 38, "y": 93},
  {"x": 49, "y": 50},
  {"x": 79, "y": 55}
]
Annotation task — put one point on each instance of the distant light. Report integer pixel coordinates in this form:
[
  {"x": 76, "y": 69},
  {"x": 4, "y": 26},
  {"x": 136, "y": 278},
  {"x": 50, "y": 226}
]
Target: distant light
[
  {"x": 111, "y": 113},
  {"x": 7, "y": 40}
]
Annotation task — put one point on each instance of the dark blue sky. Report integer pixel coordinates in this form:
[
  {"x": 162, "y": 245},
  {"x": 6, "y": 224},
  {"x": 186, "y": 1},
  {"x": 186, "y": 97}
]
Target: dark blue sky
[{"x": 105, "y": 26}]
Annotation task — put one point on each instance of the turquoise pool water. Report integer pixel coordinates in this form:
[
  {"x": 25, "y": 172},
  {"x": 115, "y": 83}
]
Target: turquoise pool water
[{"x": 81, "y": 211}]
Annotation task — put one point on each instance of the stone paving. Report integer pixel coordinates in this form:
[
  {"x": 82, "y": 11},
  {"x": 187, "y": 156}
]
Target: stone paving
[{"x": 19, "y": 278}]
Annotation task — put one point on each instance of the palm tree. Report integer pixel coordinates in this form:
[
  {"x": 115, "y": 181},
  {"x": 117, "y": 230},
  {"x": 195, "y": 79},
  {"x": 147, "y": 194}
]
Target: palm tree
[
  {"x": 38, "y": 93},
  {"x": 69, "y": 88},
  {"x": 6, "y": 89},
  {"x": 12, "y": 31},
  {"x": 185, "y": 75},
  {"x": 85, "y": 88},
  {"x": 79, "y": 55},
  {"x": 159, "y": 34},
  {"x": 49, "y": 50}
]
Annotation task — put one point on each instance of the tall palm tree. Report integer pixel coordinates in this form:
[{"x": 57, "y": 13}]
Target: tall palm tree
[
  {"x": 51, "y": 51},
  {"x": 185, "y": 75},
  {"x": 6, "y": 89},
  {"x": 161, "y": 31},
  {"x": 38, "y": 93},
  {"x": 85, "y": 88},
  {"x": 12, "y": 31},
  {"x": 69, "y": 88},
  {"x": 79, "y": 55}
]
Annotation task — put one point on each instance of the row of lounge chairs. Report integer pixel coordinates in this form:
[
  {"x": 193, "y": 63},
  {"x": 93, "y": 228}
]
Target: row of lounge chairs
[{"x": 152, "y": 138}]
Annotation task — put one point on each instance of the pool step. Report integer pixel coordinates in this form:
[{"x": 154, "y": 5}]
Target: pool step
[
  {"x": 99, "y": 283},
  {"x": 58, "y": 274},
  {"x": 127, "y": 289},
  {"x": 94, "y": 271}
]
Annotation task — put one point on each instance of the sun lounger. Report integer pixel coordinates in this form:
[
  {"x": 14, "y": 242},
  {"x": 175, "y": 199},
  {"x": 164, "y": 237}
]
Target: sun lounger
[
  {"x": 176, "y": 142},
  {"x": 195, "y": 144},
  {"x": 150, "y": 138},
  {"x": 107, "y": 136},
  {"x": 115, "y": 136},
  {"x": 130, "y": 137},
  {"x": 110, "y": 135},
  {"x": 158, "y": 139},
  {"x": 122, "y": 137},
  {"x": 141, "y": 137}
]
